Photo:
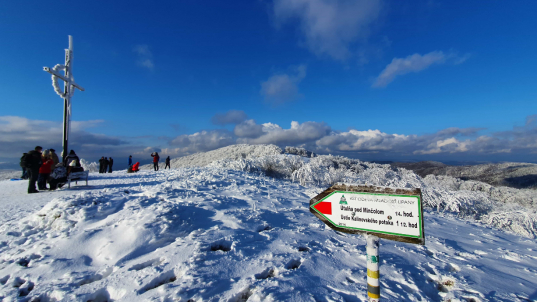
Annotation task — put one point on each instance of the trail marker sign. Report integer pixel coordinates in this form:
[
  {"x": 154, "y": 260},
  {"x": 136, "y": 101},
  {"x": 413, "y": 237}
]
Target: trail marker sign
[{"x": 389, "y": 213}]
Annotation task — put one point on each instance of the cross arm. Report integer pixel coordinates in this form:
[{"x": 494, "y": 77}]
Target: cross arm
[{"x": 52, "y": 72}]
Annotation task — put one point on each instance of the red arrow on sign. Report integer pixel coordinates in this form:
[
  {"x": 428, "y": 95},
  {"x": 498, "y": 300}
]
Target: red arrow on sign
[{"x": 324, "y": 208}]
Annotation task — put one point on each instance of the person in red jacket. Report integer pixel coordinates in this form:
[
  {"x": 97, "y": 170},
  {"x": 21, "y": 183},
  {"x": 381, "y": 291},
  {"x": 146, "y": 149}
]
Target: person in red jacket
[
  {"x": 155, "y": 160},
  {"x": 44, "y": 170}
]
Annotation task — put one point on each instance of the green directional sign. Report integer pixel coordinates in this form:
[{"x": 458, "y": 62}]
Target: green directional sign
[{"x": 390, "y": 213}]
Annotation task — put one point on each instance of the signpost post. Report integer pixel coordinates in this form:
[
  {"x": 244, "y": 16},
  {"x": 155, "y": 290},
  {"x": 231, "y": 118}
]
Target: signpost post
[
  {"x": 389, "y": 213},
  {"x": 68, "y": 91}
]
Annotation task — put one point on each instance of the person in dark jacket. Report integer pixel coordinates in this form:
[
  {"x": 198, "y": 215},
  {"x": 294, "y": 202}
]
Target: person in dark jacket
[
  {"x": 130, "y": 160},
  {"x": 105, "y": 166},
  {"x": 32, "y": 164},
  {"x": 72, "y": 156},
  {"x": 101, "y": 164},
  {"x": 110, "y": 164},
  {"x": 167, "y": 163},
  {"x": 23, "y": 166},
  {"x": 155, "y": 160}
]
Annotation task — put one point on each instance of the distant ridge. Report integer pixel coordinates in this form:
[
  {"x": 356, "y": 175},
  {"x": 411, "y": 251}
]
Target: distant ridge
[{"x": 515, "y": 175}]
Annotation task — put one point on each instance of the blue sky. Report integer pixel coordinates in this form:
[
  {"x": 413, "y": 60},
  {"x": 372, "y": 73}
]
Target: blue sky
[{"x": 376, "y": 80}]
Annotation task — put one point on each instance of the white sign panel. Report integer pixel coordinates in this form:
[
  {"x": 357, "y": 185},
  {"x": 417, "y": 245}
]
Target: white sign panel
[{"x": 398, "y": 215}]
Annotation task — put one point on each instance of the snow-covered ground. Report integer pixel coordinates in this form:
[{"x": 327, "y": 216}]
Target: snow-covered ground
[
  {"x": 8, "y": 174},
  {"x": 227, "y": 232}
]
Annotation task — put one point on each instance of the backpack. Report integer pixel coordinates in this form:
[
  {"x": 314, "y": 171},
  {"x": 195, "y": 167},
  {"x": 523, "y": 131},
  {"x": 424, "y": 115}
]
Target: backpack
[{"x": 24, "y": 160}]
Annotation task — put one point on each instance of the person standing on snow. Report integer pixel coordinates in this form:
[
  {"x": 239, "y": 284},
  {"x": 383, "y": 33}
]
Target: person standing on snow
[
  {"x": 54, "y": 158},
  {"x": 32, "y": 162},
  {"x": 101, "y": 164},
  {"x": 44, "y": 170},
  {"x": 155, "y": 160},
  {"x": 110, "y": 164},
  {"x": 167, "y": 163},
  {"x": 130, "y": 160},
  {"x": 22, "y": 164},
  {"x": 105, "y": 166}
]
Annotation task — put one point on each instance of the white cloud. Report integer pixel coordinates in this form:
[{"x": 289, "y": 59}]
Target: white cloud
[
  {"x": 449, "y": 145},
  {"x": 415, "y": 63},
  {"x": 329, "y": 26},
  {"x": 201, "y": 141},
  {"x": 363, "y": 141},
  {"x": 144, "y": 56},
  {"x": 249, "y": 129},
  {"x": 320, "y": 138},
  {"x": 297, "y": 134},
  {"x": 281, "y": 88},
  {"x": 18, "y": 135},
  {"x": 231, "y": 117}
]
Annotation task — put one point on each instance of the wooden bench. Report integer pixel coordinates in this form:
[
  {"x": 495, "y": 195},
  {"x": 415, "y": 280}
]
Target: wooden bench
[{"x": 76, "y": 176}]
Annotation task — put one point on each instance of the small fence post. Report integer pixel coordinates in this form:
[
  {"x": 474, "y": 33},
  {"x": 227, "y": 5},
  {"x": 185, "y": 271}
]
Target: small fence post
[{"x": 373, "y": 285}]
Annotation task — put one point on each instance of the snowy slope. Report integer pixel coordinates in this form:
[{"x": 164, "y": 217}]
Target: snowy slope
[
  {"x": 227, "y": 232},
  {"x": 230, "y": 152}
]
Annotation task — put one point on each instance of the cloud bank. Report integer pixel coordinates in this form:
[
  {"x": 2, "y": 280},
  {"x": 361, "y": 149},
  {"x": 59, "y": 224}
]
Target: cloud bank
[
  {"x": 18, "y": 134},
  {"x": 454, "y": 143}
]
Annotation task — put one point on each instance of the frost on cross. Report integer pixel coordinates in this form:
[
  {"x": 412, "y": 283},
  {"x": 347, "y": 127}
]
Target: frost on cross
[{"x": 68, "y": 90}]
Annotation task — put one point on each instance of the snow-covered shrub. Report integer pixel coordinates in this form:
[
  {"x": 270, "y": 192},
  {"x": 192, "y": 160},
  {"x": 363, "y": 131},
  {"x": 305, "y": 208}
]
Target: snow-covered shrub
[
  {"x": 519, "y": 221},
  {"x": 299, "y": 151},
  {"x": 326, "y": 170},
  {"x": 278, "y": 166},
  {"x": 506, "y": 208},
  {"x": 91, "y": 167}
]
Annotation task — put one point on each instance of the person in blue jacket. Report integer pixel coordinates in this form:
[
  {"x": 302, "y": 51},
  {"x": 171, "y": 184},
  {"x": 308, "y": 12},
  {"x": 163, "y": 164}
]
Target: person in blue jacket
[{"x": 130, "y": 160}]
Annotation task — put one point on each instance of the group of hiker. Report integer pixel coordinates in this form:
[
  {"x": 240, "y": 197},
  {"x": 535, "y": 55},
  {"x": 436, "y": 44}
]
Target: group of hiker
[
  {"x": 105, "y": 164},
  {"x": 156, "y": 159},
  {"x": 43, "y": 166}
]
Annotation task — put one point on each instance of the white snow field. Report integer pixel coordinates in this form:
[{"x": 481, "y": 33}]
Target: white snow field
[{"x": 228, "y": 232}]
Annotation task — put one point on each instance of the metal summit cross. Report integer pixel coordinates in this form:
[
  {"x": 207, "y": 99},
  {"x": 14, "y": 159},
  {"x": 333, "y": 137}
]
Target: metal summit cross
[{"x": 69, "y": 86}]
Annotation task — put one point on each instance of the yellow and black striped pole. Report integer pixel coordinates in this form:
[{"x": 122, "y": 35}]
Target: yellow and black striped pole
[{"x": 373, "y": 285}]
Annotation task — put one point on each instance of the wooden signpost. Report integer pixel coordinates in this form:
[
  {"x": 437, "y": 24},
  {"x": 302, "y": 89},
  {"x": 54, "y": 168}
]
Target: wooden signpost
[{"x": 389, "y": 213}]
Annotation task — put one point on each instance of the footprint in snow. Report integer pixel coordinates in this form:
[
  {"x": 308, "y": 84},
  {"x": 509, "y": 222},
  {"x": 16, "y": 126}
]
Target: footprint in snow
[
  {"x": 266, "y": 274},
  {"x": 165, "y": 278},
  {"x": 293, "y": 264},
  {"x": 26, "y": 260},
  {"x": 303, "y": 249},
  {"x": 243, "y": 295},
  {"x": 141, "y": 266},
  {"x": 24, "y": 286},
  {"x": 221, "y": 245},
  {"x": 4, "y": 279},
  {"x": 264, "y": 227},
  {"x": 96, "y": 277}
]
